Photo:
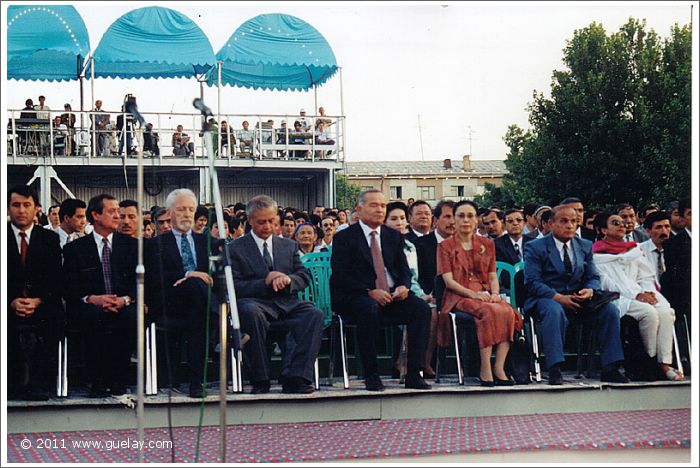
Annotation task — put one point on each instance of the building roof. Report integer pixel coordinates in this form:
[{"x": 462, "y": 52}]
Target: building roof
[{"x": 413, "y": 168}]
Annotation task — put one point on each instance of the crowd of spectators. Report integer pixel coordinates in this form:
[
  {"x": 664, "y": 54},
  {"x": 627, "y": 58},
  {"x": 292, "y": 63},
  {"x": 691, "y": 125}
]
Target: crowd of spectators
[{"x": 391, "y": 262}]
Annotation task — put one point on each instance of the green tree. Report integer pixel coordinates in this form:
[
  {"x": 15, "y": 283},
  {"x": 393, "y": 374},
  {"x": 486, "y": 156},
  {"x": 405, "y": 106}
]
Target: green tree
[
  {"x": 616, "y": 127},
  {"x": 346, "y": 193}
]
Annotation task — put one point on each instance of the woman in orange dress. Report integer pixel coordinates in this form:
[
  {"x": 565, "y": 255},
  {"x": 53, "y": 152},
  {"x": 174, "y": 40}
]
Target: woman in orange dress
[{"x": 467, "y": 263}]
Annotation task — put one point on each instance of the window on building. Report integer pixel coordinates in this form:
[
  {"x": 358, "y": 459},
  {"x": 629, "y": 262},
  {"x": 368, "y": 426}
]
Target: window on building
[
  {"x": 426, "y": 193},
  {"x": 396, "y": 193},
  {"x": 367, "y": 187},
  {"x": 458, "y": 190}
]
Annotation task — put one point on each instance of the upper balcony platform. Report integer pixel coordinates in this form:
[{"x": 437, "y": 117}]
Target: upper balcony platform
[{"x": 38, "y": 138}]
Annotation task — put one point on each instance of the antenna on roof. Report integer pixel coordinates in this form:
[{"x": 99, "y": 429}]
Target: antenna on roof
[{"x": 420, "y": 135}]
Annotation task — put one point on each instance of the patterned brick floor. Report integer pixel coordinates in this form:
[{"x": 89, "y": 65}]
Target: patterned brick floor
[{"x": 365, "y": 439}]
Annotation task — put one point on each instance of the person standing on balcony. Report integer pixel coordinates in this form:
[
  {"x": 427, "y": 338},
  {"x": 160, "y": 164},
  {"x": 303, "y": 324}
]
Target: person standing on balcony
[{"x": 100, "y": 121}]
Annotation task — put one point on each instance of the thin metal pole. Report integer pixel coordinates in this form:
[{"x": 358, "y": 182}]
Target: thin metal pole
[
  {"x": 218, "y": 109},
  {"x": 92, "y": 103},
  {"x": 342, "y": 111},
  {"x": 140, "y": 326},
  {"x": 420, "y": 136},
  {"x": 315, "y": 99}
]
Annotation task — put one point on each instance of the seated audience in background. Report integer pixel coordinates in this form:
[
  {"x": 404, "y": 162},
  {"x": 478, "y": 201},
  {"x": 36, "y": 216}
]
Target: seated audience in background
[
  {"x": 305, "y": 122},
  {"x": 632, "y": 234},
  {"x": 677, "y": 219},
  {"x": 530, "y": 218},
  {"x": 60, "y": 137},
  {"x": 288, "y": 227},
  {"x": 624, "y": 268},
  {"x": 493, "y": 222},
  {"x": 54, "y": 218},
  {"x": 467, "y": 264},
  {"x": 658, "y": 226},
  {"x": 420, "y": 217},
  {"x": 676, "y": 280},
  {"x": 148, "y": 229},
  {"x": 268, "y": 275},
  {"x": 73, "y": 220},
  {"x": 162, "y": 221},
  {"x": 150, "y": 140},
  {"x": 644, "y": 212},
  {"x": 226, "y": 137},
  {"x": 589, "y": 217},
  {"x": 581, "y": 230},
  {"x": 201, "y": 219},
  {"x": 396, "y": 215},
  {"x": 305, "y": 235},
  {"x": 322, "y": 138},
  {"x": 28, "y": 111},
  {"x": 299, "y": 136},
  {"x": 509, "y": 249},
  {"x": 178, "y": 283},
  {"x": 542, "y": 222},
  {"x": 34, "y": 314},
  {"x": 560, "y": 276},
  {"x": 181, "y": 143},
  {"x": 370, "y": 284},
  {"x": 328, "y": 227},
  {"x": 100, "y": 278},
  {"x": 245, "y": 138},
  {"x": 129, "y": 218}
]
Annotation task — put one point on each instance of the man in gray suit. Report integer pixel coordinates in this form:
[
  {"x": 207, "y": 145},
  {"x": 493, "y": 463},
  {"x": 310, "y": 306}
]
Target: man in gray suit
[{"x": 268, "y": 274}]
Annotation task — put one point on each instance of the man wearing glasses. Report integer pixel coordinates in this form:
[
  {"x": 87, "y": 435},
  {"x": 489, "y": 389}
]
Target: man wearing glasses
[{"x": 510, "y": 247}]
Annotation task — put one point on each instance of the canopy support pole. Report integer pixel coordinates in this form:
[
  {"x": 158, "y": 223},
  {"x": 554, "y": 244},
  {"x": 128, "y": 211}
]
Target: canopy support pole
[
  {"x": 218, "y": 108},
  {"x": 92, "y": 103},
  {"x": 342, "y": 113},
  {"x": 315, "y": 100}
]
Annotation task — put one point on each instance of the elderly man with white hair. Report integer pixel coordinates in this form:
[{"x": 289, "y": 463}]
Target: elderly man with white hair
[{"x": 178, "y": 282}]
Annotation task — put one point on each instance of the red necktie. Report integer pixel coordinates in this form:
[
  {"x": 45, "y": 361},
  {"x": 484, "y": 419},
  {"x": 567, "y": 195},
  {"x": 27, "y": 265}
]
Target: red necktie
[
  {"x": 378, "y": 262},
  {"x": 23, "y": 250}
]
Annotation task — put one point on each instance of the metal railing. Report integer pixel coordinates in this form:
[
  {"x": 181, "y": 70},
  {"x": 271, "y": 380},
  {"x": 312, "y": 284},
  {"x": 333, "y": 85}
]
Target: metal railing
[{"x": 266, "y": 139}]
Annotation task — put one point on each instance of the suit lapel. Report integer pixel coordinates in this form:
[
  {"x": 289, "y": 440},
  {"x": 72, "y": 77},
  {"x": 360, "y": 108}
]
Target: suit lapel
[
  {"x": 363, "y": 245},
  {"x": 554, "y": 256},
  {"x": 276, "y": 253},
  {"x": 170, "y": 245},
  {"x": 387, "y": 253},
  {"x": 254, "y": 256}
]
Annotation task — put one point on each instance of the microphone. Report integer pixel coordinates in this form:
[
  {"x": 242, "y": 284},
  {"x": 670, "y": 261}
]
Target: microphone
[
  {"x": 131, "y": 107},
  {"x": 199, "y": 104}
]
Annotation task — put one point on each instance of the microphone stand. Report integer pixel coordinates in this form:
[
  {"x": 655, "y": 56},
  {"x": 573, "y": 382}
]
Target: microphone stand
[
  {"x": 132, "y": 108},
  {"x": 226, "y": 293}
]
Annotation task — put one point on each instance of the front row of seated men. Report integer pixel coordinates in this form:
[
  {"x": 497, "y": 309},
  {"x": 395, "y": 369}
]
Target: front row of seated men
[{"x": 370, "y": 286}]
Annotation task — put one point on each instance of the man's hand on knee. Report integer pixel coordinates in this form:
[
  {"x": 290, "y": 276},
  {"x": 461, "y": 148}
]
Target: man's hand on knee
[{"x": 195, "y": 274}]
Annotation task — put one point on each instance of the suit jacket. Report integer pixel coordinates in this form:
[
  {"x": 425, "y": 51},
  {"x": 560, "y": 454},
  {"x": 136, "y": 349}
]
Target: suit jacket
[
  {"x": 164, "y": 266},
  {"x": 426, "y": 250},
  {"x": 532, "y": 235},
  {"x": 42, "y": 276},
  {"x": 545, "y": 274},
  {"x": 83, "y": 268},
  {"x": 675, "y": 282},
  {"x": 352, "y": 268},
  {"x": 505, "y": 252},
  {"x": 588, "y": 234},
  {"x": 250, "y": 271},
  {"x": 639, "y": 235}
]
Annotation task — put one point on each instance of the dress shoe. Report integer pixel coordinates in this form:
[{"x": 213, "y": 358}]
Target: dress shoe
[
  {"x": 297, "y": 385},
  {"x": 260, "y": 387},
  {"x": 414, "y": 380},
  {"x": 503, "y": 383},
  {"x": 197, "y": 390},
  {"x": 486, "y": 383},
  {"x": 555, "y": 377},
  {"x": 373, "y": 383},
  {"x": 98, "y": 391},
  {"x": 613, "y": 375}
]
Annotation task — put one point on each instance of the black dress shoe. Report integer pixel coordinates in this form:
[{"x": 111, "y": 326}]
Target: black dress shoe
[
  {"x": 555, "y": 377},
  {"x": 487, "y": 383},
  {"x": 373, "y": 383},
  {"x": 614, "y": 376},
  {"x": 297, "y": 385},
  {"x": 98, "y": 391},
  {"x": 416, "y": 381},
  {"x": 503, "y": 383},
  {"x": 260, "y": 387},
  {"x": 197, "y": 390}
]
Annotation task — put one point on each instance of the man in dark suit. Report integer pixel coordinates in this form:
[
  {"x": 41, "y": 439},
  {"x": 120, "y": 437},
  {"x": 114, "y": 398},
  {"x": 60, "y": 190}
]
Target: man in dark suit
[
  {"x": 676, "y": 280},
  {"x": 178, "y": 283},
  {"x": 632, "y": 234},
  {"x": 34, "y": 309},
  {"x": 268, "y": 276},
  {"x": 581, "y": 231},
  {"x": 370, "y": 285},
  {"x": 542, "y": 214},
  {"x": 419, "y": 220},
  {"x": 100, "y": 273},
  {"x": 560, "y": 276},
  {"x": 510, "y": 248}
]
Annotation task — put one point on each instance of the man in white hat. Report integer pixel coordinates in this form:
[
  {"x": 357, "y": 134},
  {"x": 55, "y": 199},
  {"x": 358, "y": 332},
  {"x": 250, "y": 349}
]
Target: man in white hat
[{"x": 304, "y": 120}]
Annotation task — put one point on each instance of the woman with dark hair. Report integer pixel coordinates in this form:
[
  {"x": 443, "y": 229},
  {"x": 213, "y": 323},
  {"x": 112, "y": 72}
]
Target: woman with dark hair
[
  {"x": 396, "y": 219},
  {"x": 467, "y": 263}
]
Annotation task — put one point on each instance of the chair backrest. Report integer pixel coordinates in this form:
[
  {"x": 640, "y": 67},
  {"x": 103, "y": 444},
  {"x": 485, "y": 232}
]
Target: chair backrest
[
  {"x": 319, "y": 289},
  {"x": 511, "y": 270}
]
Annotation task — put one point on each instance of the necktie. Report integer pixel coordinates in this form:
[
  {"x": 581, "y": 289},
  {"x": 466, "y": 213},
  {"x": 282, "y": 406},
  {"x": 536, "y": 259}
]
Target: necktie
[
  {"x": 107, "y": 265},
  {"x": 23, "y": 248},
  {"x": 187, "y": 257},
  {"x": 517, "y": 252},
  {"x": 378, "y": 262},
  {"x": 567, "y": 261},
  {"x": 660, "y": 266},
  {"x": 266, "y": 256}
]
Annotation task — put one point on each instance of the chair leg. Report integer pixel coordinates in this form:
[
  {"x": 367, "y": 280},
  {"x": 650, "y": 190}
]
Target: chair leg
[
  {"x": 236, "y": 380},
  {"x": 344, "y": 355},
  {"x": 317, "y": 385},
  {"x": 677, "y": 351},
  {"x": 687, "y": 335},
  {"x": 154, "y": 360},
  {"x": 149, "y": 349},
  {"x": 535, "y": 350},
  {"x": 64, "y": 369},
  {"x": 579, "y": 350},
  {"x": 460, "y": 374},
  {"x": 331, "y": 357},
  {"x": 59, "y": 371},
  {"x": 403, "y": 354},
  {"x": 591, "y": 353}
]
